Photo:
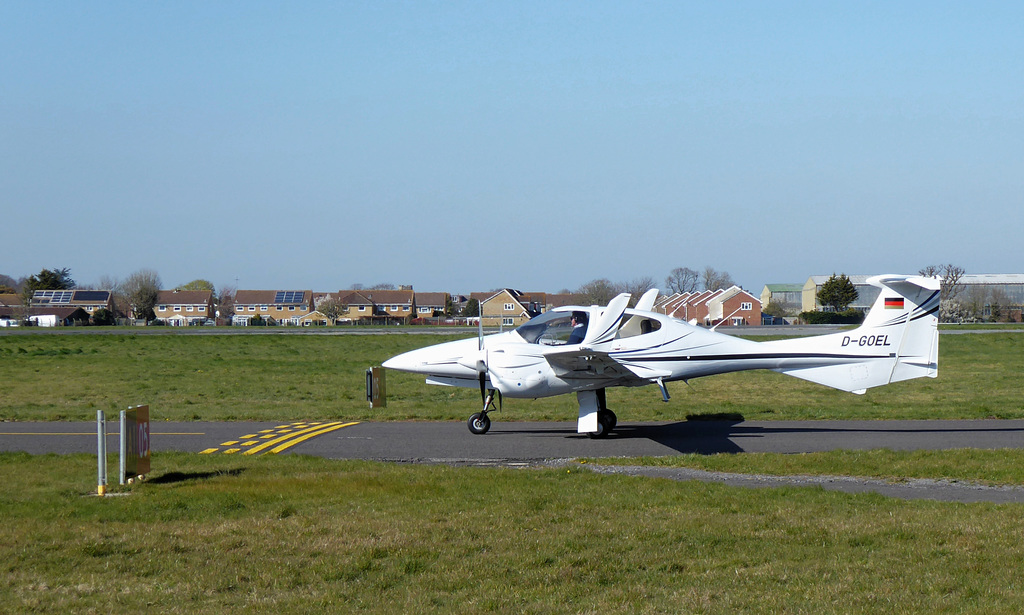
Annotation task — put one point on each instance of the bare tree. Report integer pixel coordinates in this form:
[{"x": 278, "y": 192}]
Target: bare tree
[
  {"x": 682, "y": 280},
  {"x": 226, "y": 301},
  {"x": 597, "y": 292},
  {"x": 950, "y": 308},
  {"x": 714, "y": 280},
  {"x": 637, "y": 287},
  {"x": 141, "y": 290}
]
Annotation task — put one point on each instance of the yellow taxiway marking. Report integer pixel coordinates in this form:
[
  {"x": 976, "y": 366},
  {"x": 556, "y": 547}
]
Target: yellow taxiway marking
[
  {"x": 302, "y": 439},
  {"x": 297, "y": 437},
  {"x": 281, "y": 439}
]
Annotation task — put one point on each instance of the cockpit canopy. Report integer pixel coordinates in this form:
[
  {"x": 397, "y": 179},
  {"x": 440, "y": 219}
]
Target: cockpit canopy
[{"x": 553, "y": 328}]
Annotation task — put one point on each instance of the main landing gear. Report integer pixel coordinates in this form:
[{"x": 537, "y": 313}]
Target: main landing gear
[
  {"x": 606, "y": 419},
  {"x": 479, "y": 422}
]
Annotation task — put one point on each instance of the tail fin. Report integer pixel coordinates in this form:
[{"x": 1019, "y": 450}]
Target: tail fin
[{"x": 899, "y": 339}]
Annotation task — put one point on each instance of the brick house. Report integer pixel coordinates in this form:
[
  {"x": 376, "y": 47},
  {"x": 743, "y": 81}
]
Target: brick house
[
  {"x": 273, "y": 306},
  {"x": 184, "y": 307}
]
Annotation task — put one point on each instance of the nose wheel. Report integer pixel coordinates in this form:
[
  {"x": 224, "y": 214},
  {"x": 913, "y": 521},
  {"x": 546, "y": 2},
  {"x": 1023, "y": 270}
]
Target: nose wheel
[{"x": 479, "y": 422}]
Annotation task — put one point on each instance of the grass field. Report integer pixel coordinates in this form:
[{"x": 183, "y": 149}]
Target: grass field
[
  {"x": 276, "y": 377},
  {"x": 292, "y": 534}
]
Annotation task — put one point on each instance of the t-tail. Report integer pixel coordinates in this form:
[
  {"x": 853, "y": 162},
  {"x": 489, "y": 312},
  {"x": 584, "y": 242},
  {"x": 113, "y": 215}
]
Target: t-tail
[{"x": 899, "y": 340}]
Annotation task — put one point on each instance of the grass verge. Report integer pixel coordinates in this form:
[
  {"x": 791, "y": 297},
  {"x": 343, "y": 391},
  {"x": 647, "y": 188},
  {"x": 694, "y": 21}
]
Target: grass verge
[
  {"x": 274, "y": 377},
  {"x": 290, "y": 534}
]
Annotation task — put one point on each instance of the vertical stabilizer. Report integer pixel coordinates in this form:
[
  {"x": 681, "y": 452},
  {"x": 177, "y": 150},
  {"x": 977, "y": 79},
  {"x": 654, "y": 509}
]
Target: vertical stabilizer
[{"x": 898, "y": 340}]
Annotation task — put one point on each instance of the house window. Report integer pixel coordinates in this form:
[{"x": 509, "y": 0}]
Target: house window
[
  {"x": 362, "y": 308},
  {"x": 264, "y": 308},
  {"x": 291, "y": 308},
  {"x": 177, "y": 308},
  {"x": 747, "y": 306},
  {"x": 201, "y": 308},
  {"x": 162, "y": 308},
  {"x": 737, "y": 322},
  {"x": 508, "y": 322},
  {"x": 189, "y": 309},
  {"x": 508, "y": 307},
  {"x": 252, "y": 308}
]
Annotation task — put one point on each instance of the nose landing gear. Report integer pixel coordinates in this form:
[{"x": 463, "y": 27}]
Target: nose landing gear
[{"x": 479, "y": 422}]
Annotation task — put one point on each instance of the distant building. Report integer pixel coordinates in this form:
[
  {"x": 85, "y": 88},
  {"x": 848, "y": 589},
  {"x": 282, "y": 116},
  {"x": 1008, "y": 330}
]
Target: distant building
[
  {"x": 184, "y": 307},
  {"x": 509, "y": 307},
  {"x": 866, "y": 293},
  {"x": 88, "y": 300},
  {"x": 272, "y": 306},
  {"x": 789, "y": 296},
  {"x": 732, "y": 307}
]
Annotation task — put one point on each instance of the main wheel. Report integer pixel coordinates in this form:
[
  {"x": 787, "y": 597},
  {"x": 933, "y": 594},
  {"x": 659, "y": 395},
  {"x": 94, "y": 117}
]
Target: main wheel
[
  {"x": 479, "y": 423},
  {"x": 605, "y": 424},
  {"x": 612, "y": 420}
]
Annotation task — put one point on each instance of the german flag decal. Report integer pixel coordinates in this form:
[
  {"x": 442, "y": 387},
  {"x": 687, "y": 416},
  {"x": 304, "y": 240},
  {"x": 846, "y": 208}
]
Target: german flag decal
[{"x": 894, "y": 304}]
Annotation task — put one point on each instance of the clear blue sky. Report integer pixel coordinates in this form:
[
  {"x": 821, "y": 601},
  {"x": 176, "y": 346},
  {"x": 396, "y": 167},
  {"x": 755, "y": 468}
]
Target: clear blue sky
[{"x": 465, "y": 146}]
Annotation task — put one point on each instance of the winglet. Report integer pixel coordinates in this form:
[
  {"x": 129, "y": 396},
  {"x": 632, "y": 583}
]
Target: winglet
[{"x": 603, "y": 328}]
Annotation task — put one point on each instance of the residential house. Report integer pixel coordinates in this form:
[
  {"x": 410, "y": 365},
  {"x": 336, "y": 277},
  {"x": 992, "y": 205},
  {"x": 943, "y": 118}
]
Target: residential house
[
  {"x": 315, "y": 319},
  {"x": 391, "y": 305},
  {"x": 88, "y": 300},
  {"x": 431, "y": 304},
  {"x": 508, "y": 307},
  {"x": 184, "y": 307},
  {"x": 356, "y": 306},
  {"x": 732, "y": 306},
  {"x": 735, "y": 307},
  {"x": 272, "y": 306},
  {"x": 44, "y": 316}
]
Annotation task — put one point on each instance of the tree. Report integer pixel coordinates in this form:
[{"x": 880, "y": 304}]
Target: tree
[
  {"x": 838, "y": 292},
  {"x": 47, "y": 279},
  {"x": 141, "y": 289},
  {"x": 597, "y": 292},
  {"x": 226, "y": 301},
  {"x": 103, "y": 317},
  {"x": 775, "y": 308},
  {"x": 715, "y": 280},
  {"x": 51, "y": 279},
  {"x": 332, "y": 309},
  {"x": 950, "y": 308},
  {"x": 637, "y": 287},
  {"x": 950, "y": 286},
  {"x": 472, "y": 308},
  {"x": 682, "y": 280},
  {"x": 198, "y": 285}
]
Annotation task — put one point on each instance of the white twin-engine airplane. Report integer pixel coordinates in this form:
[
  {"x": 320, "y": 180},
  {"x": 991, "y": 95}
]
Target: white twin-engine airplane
[{"x": 898, "y": 340}]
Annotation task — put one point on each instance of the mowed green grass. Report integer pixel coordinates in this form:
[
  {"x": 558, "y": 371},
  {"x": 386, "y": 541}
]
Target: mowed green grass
[
  {"x": 278, "y": 377},
  {"x": 291, "y": 534}
]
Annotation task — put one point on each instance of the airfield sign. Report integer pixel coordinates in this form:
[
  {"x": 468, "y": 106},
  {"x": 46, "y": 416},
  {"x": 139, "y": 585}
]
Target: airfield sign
[{"x": 134, "y": 442}]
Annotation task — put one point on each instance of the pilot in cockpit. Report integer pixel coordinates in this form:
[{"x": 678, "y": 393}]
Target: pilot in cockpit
[{"x": 579, "y": 328}]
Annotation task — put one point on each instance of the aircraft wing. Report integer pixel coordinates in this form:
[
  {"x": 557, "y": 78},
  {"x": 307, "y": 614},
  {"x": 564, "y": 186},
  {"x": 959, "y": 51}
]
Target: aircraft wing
[{"x": 581, "y": 363}]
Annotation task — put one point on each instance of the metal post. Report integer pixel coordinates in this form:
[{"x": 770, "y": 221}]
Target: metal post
[
  {"x": 101, "y": 453},
  {"x": 124, "y": 446}
]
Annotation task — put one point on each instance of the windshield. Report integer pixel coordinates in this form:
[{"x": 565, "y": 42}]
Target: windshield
[{"x": 550, "y": 329}]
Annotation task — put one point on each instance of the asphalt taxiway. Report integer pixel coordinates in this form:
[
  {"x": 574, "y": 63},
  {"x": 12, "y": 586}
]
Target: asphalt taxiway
[
  {"x": 521, "y": 444},
  {"x": 447, "y": 442}
]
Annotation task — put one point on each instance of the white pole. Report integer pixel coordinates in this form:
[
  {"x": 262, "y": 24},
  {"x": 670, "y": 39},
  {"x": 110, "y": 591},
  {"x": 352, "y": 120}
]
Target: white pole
[
  {"x": 101, "y": 453},
  {"x": 124, "y": 445}
]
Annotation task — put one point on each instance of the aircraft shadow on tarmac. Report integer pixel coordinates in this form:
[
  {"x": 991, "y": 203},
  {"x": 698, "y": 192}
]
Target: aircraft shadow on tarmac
[
  {"x": 709, "y": 437},
  {"x": 712, "y": 437}
]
